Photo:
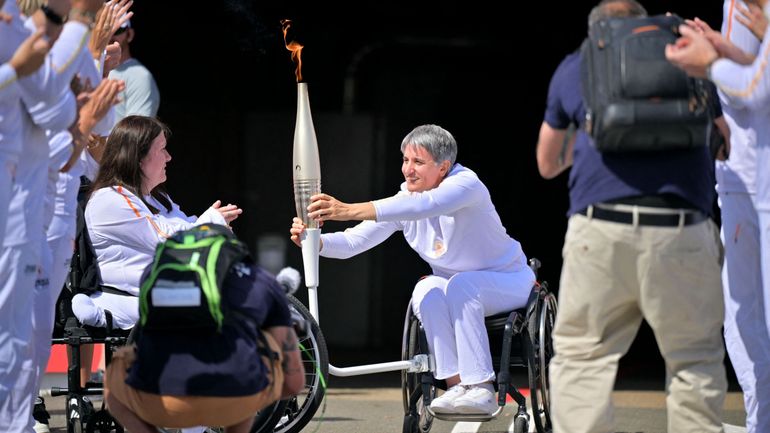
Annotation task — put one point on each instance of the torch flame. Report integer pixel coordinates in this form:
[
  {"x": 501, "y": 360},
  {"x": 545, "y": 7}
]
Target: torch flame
[{"x": 294, "y": 47}]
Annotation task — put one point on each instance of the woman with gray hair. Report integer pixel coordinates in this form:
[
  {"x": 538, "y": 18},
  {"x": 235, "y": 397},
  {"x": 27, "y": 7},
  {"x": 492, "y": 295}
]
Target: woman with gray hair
[{"x": 447, "y": 217}]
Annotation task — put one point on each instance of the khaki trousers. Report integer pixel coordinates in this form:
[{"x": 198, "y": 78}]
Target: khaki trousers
[{"x": 614, "y": 276}]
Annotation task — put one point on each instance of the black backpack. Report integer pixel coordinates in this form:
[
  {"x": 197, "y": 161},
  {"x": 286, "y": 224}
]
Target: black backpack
[
  {"x": 183, "y": 289},
  {"x": 636, "y": 100},
  {"x": 83, "y": 276}
]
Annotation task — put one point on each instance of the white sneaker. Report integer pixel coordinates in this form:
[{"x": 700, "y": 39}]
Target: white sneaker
[
  {"x": 478, "y": 399},
  {"x": 41, "y": 428},
  {"x": 445, "y": 402}
]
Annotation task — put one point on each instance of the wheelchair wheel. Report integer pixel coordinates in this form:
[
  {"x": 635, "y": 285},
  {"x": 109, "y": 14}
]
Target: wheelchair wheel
[
  {"x": 416, "y": 418},
  {"x": 290, "y": 416},
  {"x": 539, "y": 354},
  {"x": 521, "y": 425}
]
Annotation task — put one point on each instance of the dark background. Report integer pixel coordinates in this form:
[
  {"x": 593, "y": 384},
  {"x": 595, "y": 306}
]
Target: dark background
[{"x": 375, "y": 70}]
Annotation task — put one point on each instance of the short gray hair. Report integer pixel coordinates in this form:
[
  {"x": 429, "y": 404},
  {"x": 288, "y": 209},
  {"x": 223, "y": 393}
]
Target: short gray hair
[
  {"x": 435, "y": 139},
  {"x": 602, "y": 10}
]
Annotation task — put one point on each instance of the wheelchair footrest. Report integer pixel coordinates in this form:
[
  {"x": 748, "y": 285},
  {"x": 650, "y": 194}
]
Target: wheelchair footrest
[{"x": 469, "y": 417}]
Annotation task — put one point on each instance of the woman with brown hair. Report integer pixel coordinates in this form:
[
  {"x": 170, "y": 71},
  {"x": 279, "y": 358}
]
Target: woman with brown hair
[{"x": 128, "y": 214}]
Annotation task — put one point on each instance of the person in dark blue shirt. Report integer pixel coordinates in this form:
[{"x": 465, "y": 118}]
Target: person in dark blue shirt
[
  {"x": 640, "y": 244},
  {"x": 219, "y": 379}
]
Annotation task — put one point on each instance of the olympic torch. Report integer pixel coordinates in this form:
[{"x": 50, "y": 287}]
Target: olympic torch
[
  {"x": 307, "y": 175},
  {"x": 307, "y": 182}
]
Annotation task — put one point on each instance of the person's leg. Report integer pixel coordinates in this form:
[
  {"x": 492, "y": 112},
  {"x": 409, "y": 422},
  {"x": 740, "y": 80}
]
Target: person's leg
[
  {"x": 597, "y": 322},
  {"x": 7, "y": 170},
  {"x": 89, "y": 310},
  {"x": 242, "y": 427},
  {"x": 682, "y": 301},
  {"x": 116, "y": 389},
  {"x": 746, "y": 337},
  {"x": 45, "y": 307},
  {"x": 18, "y": 271},
  {"x": 125, "y": 417},
  {"x": 471, "y": 296},
  {"x": 42, "y": 327},
  {"x": 429, "y": 305},
  {"x": 43, "y": 311},
  {"x": 763, "y": 387},
  {"x": 86, "y": 361}
]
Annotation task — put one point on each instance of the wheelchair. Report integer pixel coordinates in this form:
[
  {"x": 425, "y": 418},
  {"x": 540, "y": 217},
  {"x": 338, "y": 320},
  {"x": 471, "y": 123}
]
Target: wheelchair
[
  {"x": 532, "y": 349},
  {"x": 522, "y": 338},
  {"x": 290, "y": 416},
  {"x": 81, "y": 416}
]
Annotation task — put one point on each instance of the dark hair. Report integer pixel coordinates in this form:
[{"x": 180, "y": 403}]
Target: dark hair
[
  {"x": 603, "y": 10},
  {"x": 128, "y": 143}
]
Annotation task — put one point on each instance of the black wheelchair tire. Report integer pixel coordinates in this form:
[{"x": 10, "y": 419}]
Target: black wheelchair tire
[
  {"x": 268, "y": 418},
  {"x": 521, "y": 425},
  {"x": 410, "y": 383},
  {"x": 411, "y": 424},
  {"x": 290, "y": 416},
  {"x": 539, "y": 353}
]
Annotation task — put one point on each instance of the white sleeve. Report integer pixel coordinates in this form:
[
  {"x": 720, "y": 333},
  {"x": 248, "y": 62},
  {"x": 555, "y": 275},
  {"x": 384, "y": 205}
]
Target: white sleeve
[
  {"x": 210, "y": 216},
  {"x": 453, "y": 193},
  {"x": 90, "y": 166},
  {"x": 56, "y": 73},
  {"x": 118, "y": 215},
  {"x": 54, "y": 114},
  {"x": 60, "y": 149},
  {"x": 7, "y": 80},
  {"x": 355, "y": 240},
  {"x": 736, "y": 32},
  {"x": 744, "y": 86}
]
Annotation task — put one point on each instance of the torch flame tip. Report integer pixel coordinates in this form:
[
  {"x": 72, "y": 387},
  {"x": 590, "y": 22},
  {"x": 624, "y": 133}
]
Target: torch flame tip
[{"x": 294, "y": 47}]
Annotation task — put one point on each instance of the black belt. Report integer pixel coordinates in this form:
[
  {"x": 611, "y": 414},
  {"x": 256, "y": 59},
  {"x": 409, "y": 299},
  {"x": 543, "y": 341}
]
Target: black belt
[{"x": 646, "y": 219}]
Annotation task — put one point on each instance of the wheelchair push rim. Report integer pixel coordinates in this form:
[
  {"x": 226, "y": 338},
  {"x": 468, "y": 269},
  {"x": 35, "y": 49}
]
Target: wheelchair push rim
[
  {"x": 539, "y": 354},
  {"x": 417, "y": 420},
  {"x": 290, "y": 416}
]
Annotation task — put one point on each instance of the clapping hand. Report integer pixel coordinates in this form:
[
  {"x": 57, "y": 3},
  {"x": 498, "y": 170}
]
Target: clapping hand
[{"x": 230, "y": 212}]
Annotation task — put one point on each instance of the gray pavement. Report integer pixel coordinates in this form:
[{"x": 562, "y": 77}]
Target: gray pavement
[{"x": 379, "y": 410}]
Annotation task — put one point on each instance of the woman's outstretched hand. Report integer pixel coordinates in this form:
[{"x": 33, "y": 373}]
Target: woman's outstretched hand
[{"x": 324, "y": 207}]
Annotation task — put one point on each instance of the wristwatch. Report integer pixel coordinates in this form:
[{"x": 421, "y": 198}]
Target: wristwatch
[{"x": 52, "y": 16}]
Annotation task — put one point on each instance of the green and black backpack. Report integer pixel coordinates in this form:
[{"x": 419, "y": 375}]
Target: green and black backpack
[{"x": 183, "y": 290}]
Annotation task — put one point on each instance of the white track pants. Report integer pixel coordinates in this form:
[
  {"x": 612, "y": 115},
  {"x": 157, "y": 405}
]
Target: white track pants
[
  {"x": 7, "y": 169},
  {"x": 18, "y": 272},
  {"x": 452, "y": 312},
  {"x": 746, "y": 335}
]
